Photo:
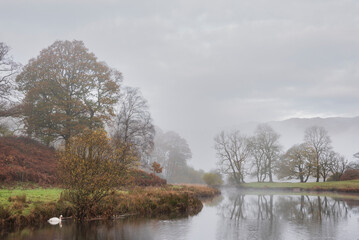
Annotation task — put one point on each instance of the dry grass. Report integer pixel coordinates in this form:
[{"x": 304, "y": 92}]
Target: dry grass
[
  {"x": 150, "y": 202},
  {"x": 198, "y": 190}
]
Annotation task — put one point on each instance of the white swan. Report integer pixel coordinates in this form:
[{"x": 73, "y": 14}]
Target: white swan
[{"x": 55, "y": 220}]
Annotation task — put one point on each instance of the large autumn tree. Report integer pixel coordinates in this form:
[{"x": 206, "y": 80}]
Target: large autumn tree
[{"x": 66, "y": 90}]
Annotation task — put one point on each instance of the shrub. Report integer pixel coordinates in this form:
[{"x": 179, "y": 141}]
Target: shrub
[
  {"x": 350, "y": 174},
  {"x": 334, "y": 177},
  {"x": 17, "y": 205},
  {"x": 18, "y": 198},
  {"x": 4, "y": 212},
  {"x": 90, "y": 167},
  {"x": 212, "y": 179}
]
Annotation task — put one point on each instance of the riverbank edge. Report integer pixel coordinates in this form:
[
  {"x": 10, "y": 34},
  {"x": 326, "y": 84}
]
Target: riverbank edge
[
  {"x": 171, "y": 201},
  {"x": 351, "y": 186}
]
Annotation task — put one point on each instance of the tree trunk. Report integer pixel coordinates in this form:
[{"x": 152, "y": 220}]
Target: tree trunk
[{"x": 318, "y": 170}]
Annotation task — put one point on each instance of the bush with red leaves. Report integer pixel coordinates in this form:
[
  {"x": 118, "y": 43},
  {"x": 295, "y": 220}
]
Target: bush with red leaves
[
  {"x": 350, "y": 174},
  {"x": 24, "y": 159}
]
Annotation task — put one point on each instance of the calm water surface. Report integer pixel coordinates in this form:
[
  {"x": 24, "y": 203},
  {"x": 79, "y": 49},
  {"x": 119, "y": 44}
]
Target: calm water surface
[{"x": 234, "y": 215}]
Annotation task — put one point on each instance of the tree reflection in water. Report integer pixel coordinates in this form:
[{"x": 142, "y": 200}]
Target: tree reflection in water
[
  {"x": 234, "y": 215},
  {"x": 268, "y": 216}
]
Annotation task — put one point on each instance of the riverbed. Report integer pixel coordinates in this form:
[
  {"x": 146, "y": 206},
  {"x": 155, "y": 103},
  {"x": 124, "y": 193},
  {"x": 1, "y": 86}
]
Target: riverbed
[{"x": 236, "y": 214}]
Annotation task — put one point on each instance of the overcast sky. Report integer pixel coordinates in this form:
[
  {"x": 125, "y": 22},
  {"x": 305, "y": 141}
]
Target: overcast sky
[{"x": 208, "y": 65}]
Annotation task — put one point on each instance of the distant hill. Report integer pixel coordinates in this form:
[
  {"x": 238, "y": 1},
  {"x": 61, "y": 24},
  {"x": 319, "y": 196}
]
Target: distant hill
[
  {"x": 344, "y": 132},
  {"x": 23, "y": 159}
]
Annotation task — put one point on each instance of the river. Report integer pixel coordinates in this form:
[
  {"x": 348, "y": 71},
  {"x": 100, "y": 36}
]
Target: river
[{"x": 233, "y": 215}]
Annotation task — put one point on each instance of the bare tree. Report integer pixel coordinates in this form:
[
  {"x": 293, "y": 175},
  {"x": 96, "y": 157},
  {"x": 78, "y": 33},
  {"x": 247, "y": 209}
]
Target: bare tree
[
  {"x": 258, "y": 163},
  {"x": 8, "y": 69},
  {"x": 133, "y": 124},
  {"x": 232, "y": 151},
  {"x": 326, "y": 163},
  {"x": 265, "y": 151},
  {"x": 338, "y": 166},
  {"x": 318, "y": 141}
]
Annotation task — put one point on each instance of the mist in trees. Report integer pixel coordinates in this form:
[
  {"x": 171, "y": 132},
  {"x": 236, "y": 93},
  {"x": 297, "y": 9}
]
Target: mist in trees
[
  {"x": 232, "y": 150},
  {"x": 8, "y": 95},
  {"x": 318, "y": 142},
  {"x": 172, "y": 152},
  {"x": 260, "y": 156},
  {"x": 66, "y": 90},
  {"x": 265, "y": 149},
  {"x": 8, "y": 69},
  {"x": 132, "y": 126}
]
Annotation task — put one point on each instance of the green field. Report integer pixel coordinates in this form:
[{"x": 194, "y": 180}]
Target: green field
[
  {"x": 33, "y": 196},
  {"x": 345, "y": 186}
]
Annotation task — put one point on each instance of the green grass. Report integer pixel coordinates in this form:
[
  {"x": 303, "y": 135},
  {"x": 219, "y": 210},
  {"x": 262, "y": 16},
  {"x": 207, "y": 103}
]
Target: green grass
[
  {"x": 33, "y": 196},
  {"x": 347, "y": 186}
]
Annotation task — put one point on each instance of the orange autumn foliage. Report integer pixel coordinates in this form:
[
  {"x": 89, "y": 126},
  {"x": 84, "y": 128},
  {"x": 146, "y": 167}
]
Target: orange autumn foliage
[{"x": 89, "y": 167}]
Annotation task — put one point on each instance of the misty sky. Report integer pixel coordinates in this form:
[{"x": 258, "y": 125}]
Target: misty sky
[{"x": 208, "y": 65}]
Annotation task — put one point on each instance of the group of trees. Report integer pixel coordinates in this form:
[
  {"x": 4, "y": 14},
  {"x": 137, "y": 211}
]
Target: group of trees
[
  {"x": 66, "y": 90},
  {"x": 261, "y": 156},
  {"x": 314, "y": 157},
  {"x": 238, "y": 154},
  {"x": 172, "y": 152},
  {"x": 68, "y": 96}
]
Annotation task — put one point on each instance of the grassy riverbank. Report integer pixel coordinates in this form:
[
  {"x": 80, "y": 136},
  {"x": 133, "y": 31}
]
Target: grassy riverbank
[
  {"x": 19, "y": 206},
  {"x": 340, "y": 186}
]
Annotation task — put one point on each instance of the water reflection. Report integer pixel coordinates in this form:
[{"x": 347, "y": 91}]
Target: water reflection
[
  {"x": 268, "y": 216},
  {"x": 234, "y": 215},
  {"x": 299, "y": 208}
]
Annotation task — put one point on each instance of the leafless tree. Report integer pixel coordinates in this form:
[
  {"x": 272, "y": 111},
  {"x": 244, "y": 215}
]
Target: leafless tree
[
  {"x": 339, "y": 165},
  {"x": 8, "y": 69},
  {"x": 266, "y": 150},
  {"x": 318, "y": 141},
  {"x": 133, "y": 124},
  {"x": 258, "y": 160},
  {"x": 354, "y": 164},
  {"x": 326, "y": 163},
  {"x": 232, "y": 151}
]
